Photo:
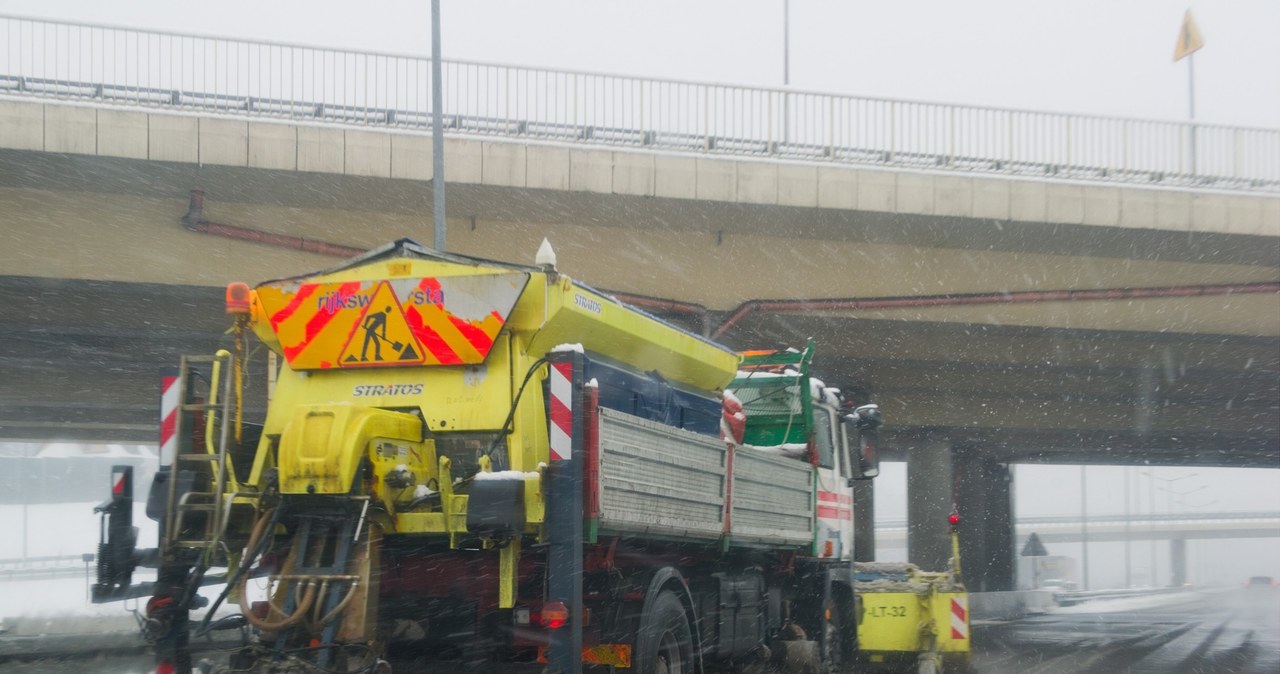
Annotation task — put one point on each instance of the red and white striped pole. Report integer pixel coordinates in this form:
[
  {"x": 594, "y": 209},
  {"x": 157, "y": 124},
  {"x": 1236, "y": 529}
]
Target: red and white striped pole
[
  {"x": 561, "y": 426},
  {"x": 170, "y": 399}
]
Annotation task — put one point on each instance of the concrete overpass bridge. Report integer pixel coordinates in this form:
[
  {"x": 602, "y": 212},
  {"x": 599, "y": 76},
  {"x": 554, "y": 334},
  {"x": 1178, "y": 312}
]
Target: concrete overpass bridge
[{"x": 1011, "y": 286}]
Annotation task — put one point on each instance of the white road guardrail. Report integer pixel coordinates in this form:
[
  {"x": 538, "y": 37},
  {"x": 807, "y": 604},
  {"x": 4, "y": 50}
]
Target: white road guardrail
[{"x": 128, "y": 66}]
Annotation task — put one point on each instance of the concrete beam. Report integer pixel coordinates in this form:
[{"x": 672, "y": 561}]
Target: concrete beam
[
  {"x": 716, "y": 180},
  {"x": 837, "y": 188},
  {"x": 1137, "y": 208},
  {"x": 929, "y": 501},
  {"x": 503, "y": 164},
  {"x": 798, "y": 185},
  {"x": 902, "y": 201},
  {"x": 21, "y": 125},
  {"x": 634, "y": 174},
  {"x": 122, "y": 133},
  {"x": 953, "y": 196},
  {"x": 71, "y": 130},
  {"x": 224, "y": 141},
  {"x": 411, "y": 157},
  {"x": 675, "y": 177},
  {"x": 547, "y": 167},
  {"x": 864, "y": 521},
  {"x": 1101, "y": 206},
  {"x": 914, "y": 193},
  {"x": 367, "y": 153},
  {"x": 1028, "y": 201},
  {"x": 991, "y": 199},
  {"x": 591, "y": 171},
  {"x": 984, "y": 500},
  {"x": 877, "y": 191},
  {"x": 463, "y": 161},
  {"x": 173, "y": 139},
  {"x": 1065, "y": 203},
  {"x": 321, "y": 150},
  {"x": 273, "y": 146},
  {"x": 757, "y": 183}
]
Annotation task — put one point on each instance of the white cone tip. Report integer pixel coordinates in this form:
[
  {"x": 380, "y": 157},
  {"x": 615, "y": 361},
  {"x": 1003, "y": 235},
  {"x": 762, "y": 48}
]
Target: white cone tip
[{"x": 546, "y": 257}]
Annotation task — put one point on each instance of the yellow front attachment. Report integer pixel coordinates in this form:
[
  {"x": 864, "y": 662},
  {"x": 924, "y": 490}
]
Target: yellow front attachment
[
  {"x": 911, "y": 622},
  {"x": 951, "y": 615},
  {"x": 891, "y": 622},
  {"x": 322, "y": 446}
]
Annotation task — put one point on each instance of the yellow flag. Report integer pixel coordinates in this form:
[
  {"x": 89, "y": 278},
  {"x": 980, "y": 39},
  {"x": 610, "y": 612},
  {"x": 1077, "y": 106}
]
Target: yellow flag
[{"x": 1189, "y": 38}]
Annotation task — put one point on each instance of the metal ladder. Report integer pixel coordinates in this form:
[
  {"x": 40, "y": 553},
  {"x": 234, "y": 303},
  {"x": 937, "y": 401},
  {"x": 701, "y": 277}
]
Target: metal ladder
[{"x": 215, "y": 504}]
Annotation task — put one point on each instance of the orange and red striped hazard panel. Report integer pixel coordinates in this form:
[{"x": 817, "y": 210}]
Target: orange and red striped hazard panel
[{"x": 381, "y": 323}]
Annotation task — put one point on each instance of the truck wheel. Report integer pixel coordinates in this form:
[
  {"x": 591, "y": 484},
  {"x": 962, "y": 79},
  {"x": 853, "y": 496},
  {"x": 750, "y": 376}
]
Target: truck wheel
[{"x": 665, "y": 642}]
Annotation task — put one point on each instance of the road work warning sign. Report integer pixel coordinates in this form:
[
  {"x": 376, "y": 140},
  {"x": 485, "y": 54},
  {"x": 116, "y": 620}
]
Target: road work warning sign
[
  {"x": 387, "y": 323},
  {"x": 382, "y": 335}
]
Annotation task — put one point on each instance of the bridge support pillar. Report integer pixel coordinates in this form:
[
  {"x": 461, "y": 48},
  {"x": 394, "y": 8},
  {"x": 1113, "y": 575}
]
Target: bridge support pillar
[
  {"x": 864, "y": 524},
  {"x": 929, "y": 501},
  {"x": 1178, "y": 562},
  {"x": 984, "y": 499}
]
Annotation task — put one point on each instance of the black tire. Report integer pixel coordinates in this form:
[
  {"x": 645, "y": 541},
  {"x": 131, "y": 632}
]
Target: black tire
[{"x": 665, "y": 642}]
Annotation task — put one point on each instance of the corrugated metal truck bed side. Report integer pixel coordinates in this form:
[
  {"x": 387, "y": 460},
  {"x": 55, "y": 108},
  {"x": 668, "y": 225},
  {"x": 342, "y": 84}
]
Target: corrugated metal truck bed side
[{"x": 666, "y": 482}]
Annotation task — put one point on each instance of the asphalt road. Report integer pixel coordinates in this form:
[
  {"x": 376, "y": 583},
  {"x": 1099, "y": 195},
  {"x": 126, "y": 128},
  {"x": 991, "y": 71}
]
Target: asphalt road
[{"x": 1235, "y": 631}]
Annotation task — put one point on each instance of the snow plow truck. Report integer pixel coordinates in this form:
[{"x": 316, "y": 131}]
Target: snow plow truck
[{"x": 467, "y": 464}]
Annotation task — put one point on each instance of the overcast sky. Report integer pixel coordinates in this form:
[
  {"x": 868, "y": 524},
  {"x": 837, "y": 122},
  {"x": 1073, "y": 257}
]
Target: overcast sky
[{"x": 1111, "y": 57}]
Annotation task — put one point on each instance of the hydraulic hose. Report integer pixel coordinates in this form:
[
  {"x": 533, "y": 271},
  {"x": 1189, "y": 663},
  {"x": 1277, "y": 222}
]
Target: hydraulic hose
[
  {"x": 515, "y": 403},
  {"x": 254, "y": 548},
  {"x": 309, "y": 595},
  {"x": 308, "y": 598}
]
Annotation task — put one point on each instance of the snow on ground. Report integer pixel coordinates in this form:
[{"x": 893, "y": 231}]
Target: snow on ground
[
  {"x": 68, "y": 596},
  {"x": 61, "y": 529},
  {"x": 68, "y": 529},
  {"x": 1130, "y": 603}
]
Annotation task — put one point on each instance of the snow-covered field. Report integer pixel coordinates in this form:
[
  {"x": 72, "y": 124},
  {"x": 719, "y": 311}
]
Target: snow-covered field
[
  {"x": 60, "y": 529},
  {"x": 1131, "y": 603},
  {"x": 64, "y": 529}
]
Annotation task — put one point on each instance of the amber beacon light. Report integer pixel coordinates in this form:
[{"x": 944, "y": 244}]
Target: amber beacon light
[{"x": 238, "y": 298}]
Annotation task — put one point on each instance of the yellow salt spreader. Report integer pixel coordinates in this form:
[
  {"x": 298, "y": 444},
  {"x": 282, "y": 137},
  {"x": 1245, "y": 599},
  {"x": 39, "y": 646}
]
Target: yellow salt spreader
[{"x": 912, "y": 618}]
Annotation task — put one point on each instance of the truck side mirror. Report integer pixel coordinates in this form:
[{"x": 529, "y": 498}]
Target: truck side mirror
[{"x": 866, "y": 420}]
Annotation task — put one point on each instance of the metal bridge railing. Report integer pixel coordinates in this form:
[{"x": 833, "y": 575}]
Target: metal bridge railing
[{"x": 128, "y": 66}]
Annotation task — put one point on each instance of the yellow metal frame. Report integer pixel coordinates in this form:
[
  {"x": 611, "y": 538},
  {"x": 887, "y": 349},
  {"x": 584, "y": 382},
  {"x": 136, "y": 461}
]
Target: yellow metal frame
[{"x": 897, "y": 622}]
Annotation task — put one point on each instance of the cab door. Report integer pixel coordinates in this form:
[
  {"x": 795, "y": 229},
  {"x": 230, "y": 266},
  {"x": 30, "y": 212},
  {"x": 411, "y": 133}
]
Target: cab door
[{"x": 834, "y": 537}]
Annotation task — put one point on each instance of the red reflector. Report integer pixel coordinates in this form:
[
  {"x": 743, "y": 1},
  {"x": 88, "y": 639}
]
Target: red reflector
[
  {"x": 158, "y": 603},
  {"x": 164, "y": 668},
  {"x": 953, "y": 519},
  {"x": 554, "y": 615},
  {"x": 117, "y": 485}
]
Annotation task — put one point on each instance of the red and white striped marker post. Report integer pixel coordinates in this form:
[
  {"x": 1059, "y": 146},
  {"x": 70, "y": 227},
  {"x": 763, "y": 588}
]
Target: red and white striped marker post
[
  {"x": 561, "y": 426},
  {"x": 170, "y": 398},
  {"x": 959, "y": 618},
  {"x": 564, "y": 496}
]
